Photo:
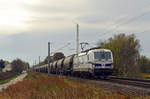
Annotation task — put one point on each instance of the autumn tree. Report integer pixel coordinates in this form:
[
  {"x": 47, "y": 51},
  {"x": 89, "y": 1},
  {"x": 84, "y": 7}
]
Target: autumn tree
[
  {"x": 26, "y": 65},
  {"x": 46, "y": 60},
  {"x": 144, "y": 64},
  {"x": 18, "y": 65},
  {"x": 58, "y": 55},
  {"x": 125, "y": 50},
  {"x": 2, "y": 63}
]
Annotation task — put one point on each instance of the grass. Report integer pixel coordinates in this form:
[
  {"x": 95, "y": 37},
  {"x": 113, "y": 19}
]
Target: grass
[
  {"x": 42, "y": 86},
  {"x": 7, "y": 80}
]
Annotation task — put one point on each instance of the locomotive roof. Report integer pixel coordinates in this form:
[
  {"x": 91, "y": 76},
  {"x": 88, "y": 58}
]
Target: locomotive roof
[
  {"x": 95, "y": 48},
  {"x": 92, "y": 50},
  {"x": 107, "y": 50}
]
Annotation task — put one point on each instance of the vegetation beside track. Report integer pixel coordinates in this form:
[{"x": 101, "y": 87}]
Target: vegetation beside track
[
  {"x": 7, "y": 80},
  {"x": 7, "y": 76},
  {"x": 146, "y": 76},
  {"x": 42, "y": 86}
]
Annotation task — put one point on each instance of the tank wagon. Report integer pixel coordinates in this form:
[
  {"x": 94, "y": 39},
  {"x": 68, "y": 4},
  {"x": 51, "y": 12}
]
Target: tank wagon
[
  {"x": 60, "y": 66},
  {"x": 91, "y": 63},
  {"x": 68, "y": 65}
]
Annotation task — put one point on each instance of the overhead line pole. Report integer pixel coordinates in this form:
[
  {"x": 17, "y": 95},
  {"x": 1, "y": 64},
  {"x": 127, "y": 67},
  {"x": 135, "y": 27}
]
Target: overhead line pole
[
  {"x": 39, "y": 59},
  {"x": 77, "y": 41},
  {"x": 48, "y": 57},
  {"x": 77, "y": 50}
]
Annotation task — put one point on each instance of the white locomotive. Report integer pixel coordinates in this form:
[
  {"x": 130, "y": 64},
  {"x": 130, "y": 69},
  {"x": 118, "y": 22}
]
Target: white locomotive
[{"x": 96, "y": 62}]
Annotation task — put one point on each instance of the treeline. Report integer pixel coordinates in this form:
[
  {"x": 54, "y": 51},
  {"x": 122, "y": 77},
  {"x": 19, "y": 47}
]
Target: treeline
[
  {"x": 127, "y": 59},
  {"x": 2, "y": 63},
  {"x": 11, "y": 69},
  {"x": 16, "y": 66},
  {"x": 144, "y": 64},
  {"x": 56, "y": 56}
]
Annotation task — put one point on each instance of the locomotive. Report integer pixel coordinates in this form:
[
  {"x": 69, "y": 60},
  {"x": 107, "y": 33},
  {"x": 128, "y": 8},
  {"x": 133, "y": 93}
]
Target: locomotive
[{"x": 93, "y": 62}]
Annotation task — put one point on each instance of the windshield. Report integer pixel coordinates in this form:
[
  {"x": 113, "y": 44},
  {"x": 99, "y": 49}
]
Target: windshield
[{"x": 102, "y": 55}]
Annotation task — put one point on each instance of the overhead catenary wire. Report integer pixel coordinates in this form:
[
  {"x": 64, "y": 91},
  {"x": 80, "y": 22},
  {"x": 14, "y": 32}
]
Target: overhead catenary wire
[
  {"x": 61, "y": 48},
  {"x": 115, "y": 26},
  {"x": 145, "y": 31},
  {"x": 125, "y": 22}
]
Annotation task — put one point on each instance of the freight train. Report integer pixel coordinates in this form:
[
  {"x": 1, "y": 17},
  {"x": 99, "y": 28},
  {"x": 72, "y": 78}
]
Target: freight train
[{"x": 92, "y": 63}]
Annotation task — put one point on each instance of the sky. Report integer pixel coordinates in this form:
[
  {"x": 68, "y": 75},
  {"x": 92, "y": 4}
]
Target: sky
[{"x": 26, "y": 26}]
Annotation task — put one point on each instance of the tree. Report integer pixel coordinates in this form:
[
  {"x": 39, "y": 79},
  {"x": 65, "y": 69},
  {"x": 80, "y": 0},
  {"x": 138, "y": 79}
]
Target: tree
[
  {"x": 58, "y": 55},
  {"x": 144, "y": 64},
  {"x": 18, "y": 65},
  {"x": 125, "y": 50},
  {"x": 2, "y": 64},
  {"x": 46, "y": 60},
  {"x": 26, "y": 66}
]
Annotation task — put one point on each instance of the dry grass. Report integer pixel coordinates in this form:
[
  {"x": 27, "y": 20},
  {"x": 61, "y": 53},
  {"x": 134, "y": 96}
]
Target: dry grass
[
  {"x": 146, "y": 75},
  {"x": 42, "y": 86}
]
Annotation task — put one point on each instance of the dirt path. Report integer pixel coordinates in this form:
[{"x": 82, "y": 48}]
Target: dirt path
[{"x": 14, "y": 81}]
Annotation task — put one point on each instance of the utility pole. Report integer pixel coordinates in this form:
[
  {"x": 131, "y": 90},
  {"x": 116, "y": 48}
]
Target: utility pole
[
  {"x": 77, "y": 41},
  {"x": 39, "y": 59},
  {"x": 35, "y": 62},
  {"x": 48, "y": 57}
]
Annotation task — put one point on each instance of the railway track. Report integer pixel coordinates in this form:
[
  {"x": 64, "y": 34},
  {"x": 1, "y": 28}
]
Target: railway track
[
  {"x": 123, "y": 81},
  {"x": 132, "y": 82},
  {"x": 132, "y": 87}
]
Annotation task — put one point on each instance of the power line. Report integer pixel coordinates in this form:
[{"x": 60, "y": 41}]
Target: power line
[
  {"x": 61, "y": 48},
  {"x": 125, "y": 22},
  {"x": 145, "y": 31}
]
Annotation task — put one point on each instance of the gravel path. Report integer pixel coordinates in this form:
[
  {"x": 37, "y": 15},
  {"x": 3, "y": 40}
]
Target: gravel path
[{"x": 14, "y": 81}]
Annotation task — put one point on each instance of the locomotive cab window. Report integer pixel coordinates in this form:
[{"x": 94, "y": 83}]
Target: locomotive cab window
[
  {"x": 107, "y": 55},
  {"x": 102, "y": 55}
]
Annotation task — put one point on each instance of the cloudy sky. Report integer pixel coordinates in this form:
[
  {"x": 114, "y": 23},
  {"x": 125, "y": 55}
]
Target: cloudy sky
[{"x": 27, "y": 25}]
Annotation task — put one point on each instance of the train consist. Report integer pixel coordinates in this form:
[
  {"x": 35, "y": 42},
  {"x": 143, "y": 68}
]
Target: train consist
[{"x": 93, "y": 62}]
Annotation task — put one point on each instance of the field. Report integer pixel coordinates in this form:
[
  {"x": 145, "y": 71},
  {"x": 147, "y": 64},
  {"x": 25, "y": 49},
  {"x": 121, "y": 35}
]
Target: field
[{"x": 42, "y": 86}]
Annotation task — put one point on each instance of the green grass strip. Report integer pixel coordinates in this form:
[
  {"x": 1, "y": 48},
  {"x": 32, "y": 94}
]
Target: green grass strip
[{"x": 7, "y": 80}]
